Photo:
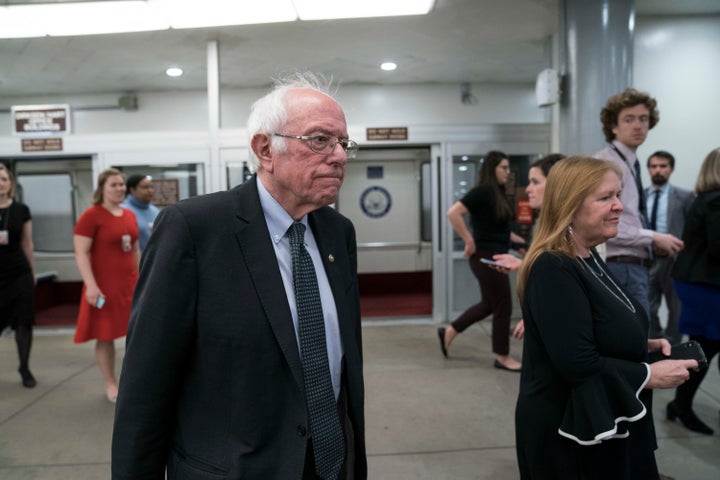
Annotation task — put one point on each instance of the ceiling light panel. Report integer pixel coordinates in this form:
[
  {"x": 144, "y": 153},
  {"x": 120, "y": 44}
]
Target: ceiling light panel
[
  {"x": 87, "y": 18},
  {"x": 211, "y": 13},
  {"x": 328, "y": 9}
]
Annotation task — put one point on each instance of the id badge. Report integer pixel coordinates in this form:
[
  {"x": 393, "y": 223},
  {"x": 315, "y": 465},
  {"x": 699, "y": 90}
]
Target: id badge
[
  {"x": 4, "y": 237},
  {"x": 126, "y": 243}
]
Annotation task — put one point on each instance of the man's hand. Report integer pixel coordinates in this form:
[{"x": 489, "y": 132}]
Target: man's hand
[{"x": 667, "y": 244}]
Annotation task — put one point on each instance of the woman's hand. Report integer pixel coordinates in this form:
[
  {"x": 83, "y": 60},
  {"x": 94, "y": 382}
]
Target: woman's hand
[
  {"x": 670, "y": 373},
  {"x": 655, "y": 344},
  {"x": 91, "y": 294},
  {"x": 519, "y": 330},
  {"x": 511, "y": 261},
  {"x": 469, "y": 248}
]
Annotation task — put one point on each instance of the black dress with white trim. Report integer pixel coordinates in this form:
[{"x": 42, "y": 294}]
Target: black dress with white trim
[{"x": 582, "y": 411}]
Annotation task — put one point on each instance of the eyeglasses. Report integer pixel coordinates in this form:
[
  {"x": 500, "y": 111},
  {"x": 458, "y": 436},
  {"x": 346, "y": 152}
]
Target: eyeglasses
[{"x": 325, "y": 144}]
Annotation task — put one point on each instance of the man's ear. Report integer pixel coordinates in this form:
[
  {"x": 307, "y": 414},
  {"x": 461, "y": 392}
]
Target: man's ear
[{"x": 260, "y": 144}]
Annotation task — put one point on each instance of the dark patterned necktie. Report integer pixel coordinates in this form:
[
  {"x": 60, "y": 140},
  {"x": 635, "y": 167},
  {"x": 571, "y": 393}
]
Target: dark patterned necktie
[
  {"x": 327, "y": 436},
  {"x": 641, "y": 191},
  {"x": 654, "y": 210}
]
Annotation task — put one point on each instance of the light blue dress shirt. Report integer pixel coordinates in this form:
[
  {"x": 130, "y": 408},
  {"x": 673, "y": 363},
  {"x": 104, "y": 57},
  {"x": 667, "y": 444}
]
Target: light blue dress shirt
[
  {"x": 278, "y": 221},
  {"x": 661, "y": 224}
]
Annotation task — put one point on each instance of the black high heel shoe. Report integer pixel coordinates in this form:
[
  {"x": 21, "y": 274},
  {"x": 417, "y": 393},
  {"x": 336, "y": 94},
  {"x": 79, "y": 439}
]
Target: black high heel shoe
[
  {"x": 441, "y": 336},
  {"x": 28, "y": 380},
  {"x": 688, "y": 418}
]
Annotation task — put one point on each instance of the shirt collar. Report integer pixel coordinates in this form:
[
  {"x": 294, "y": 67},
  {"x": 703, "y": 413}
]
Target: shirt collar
[
  {"x": 629, "y": 154},
  {"x": 136, "y": 202},
  {"x": 663, "y": 189},
  {"x": 277, "y": 219}
]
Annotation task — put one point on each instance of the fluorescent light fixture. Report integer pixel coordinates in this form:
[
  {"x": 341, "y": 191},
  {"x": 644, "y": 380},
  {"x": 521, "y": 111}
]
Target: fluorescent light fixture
[
  {"x": 388, "y": 66},
  {"x": 78, "y": 19},
  {"x": 88, "y": 18},
  {"x": 329, "y": 9},
  {"x": 174, "y": 72},
  {"x": 213, "y": 13}
]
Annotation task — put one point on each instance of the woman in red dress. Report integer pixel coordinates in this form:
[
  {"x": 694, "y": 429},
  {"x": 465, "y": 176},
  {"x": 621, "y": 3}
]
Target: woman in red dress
[{"x": 107, "y": 255}]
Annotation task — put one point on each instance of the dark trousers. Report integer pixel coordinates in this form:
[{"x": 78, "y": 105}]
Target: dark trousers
[
  {"x": 495, "y": 299},
  {"x": 661, "y": 285},
  {"x": 685, "y": 393}
]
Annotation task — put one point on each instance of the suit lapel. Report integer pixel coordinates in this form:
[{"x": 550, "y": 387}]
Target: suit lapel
[
  {"x": 674, "y": 208},
  {"x": 259, "y": 256}
]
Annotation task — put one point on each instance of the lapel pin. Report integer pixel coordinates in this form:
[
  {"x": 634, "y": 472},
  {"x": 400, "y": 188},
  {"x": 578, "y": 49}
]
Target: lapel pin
[{"x": 331, "y": 258}]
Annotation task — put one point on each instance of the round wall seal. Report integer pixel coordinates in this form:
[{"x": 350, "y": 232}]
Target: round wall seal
[{"x": 375, "y": 201}]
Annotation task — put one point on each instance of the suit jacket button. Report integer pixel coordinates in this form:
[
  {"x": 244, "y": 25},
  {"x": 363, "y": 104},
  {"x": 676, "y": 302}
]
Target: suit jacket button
[{"x": 302, "y": 431}]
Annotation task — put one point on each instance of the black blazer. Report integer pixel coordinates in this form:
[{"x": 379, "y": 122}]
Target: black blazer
[
  {"x": 699, "y": 261},
  {"x": 211, "y": 384}
]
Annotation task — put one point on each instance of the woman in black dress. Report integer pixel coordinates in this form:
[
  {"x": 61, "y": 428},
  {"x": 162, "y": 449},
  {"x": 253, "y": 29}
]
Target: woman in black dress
[
  {"x": 17, "y": 278},
  {"x": 584, "y": 407},
  {"x": 490, "y": 215}
]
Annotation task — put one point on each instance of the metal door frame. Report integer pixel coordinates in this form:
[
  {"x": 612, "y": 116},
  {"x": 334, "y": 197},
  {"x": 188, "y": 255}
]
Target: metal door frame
[{"x": 513, "y": 140}]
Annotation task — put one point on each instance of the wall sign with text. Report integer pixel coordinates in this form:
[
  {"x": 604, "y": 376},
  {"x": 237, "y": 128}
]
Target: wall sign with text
[{"x": 40, "y": 120}]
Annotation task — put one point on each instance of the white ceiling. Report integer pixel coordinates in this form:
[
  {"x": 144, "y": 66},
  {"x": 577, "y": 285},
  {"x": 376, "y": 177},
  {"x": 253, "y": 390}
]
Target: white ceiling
[{"x": 459, "y": 41}]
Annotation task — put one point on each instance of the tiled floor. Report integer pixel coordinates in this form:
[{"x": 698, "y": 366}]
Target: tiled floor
[{"x": 427, "y": 417}]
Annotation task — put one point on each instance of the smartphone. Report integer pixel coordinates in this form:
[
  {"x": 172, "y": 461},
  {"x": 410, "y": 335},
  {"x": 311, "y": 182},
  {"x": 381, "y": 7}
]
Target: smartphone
[
  {"x": 490, "y": 261},
  {"x": 689, "y": 351},
  {"x": 100, "y": 302}
]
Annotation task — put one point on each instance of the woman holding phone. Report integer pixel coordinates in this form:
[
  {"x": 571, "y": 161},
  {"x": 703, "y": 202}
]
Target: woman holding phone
[
  {"x": 490, "y": 215},
  {"x": 537, "y": 177},
  {"x": 584, "y": 408},
  {"x": 107, "y": 255}
]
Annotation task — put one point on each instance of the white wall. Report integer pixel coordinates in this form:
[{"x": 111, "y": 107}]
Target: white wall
[
  {"x": 364, "y": 106},
  {"x": 677, "y": 60}
]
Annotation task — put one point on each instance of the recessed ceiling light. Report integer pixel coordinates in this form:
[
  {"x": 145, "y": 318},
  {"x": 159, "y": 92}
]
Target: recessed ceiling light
[
  {"x": 388, "y": 66},
  {"x": 174, "y": 72}
]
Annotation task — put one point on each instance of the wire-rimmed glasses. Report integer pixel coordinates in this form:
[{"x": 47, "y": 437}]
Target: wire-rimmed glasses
[{"x": 325, "y": 144}]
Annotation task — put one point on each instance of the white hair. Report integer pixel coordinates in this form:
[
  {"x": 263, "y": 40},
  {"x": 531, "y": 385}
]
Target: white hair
[{"x": 269, "y": 114}]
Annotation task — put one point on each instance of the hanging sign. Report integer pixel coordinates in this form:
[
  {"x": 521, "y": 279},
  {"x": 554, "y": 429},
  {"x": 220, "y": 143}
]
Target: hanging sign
[{"x": 40, "y": 120}]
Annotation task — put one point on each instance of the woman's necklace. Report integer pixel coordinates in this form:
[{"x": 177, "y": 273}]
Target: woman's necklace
[{"x": 624, "y": 300}]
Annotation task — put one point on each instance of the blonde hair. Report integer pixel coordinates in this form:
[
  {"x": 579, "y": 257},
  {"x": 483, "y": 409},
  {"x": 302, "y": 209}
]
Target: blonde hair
[
  {"x": 102, "y": 178},
  {"x": 11, "y": 192},
  {"x": 709, "y": 176},
  {"x": 570, "y": 181}
]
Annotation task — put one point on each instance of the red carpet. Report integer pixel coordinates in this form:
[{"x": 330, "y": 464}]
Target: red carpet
[
  {"x": 381, "y": 295},
  {"x": 396, "y": 304},
  {"x": 63, "y": 315},
  {"x": 395, "y": 294}
]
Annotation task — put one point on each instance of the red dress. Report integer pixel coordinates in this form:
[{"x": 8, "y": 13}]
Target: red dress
[{"x": 114, "y": 270}]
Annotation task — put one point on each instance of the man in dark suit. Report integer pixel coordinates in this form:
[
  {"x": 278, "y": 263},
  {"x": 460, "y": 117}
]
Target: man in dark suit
[
  {"x": 215, "y": 381},
  {"x": 667, "y": 206}
]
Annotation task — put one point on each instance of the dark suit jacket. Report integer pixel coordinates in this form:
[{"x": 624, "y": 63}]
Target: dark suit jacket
[
  {"x": 699, "y": 261},
  {"x": 211, "y": 384},
  {"x": 679, "y": 201}
]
